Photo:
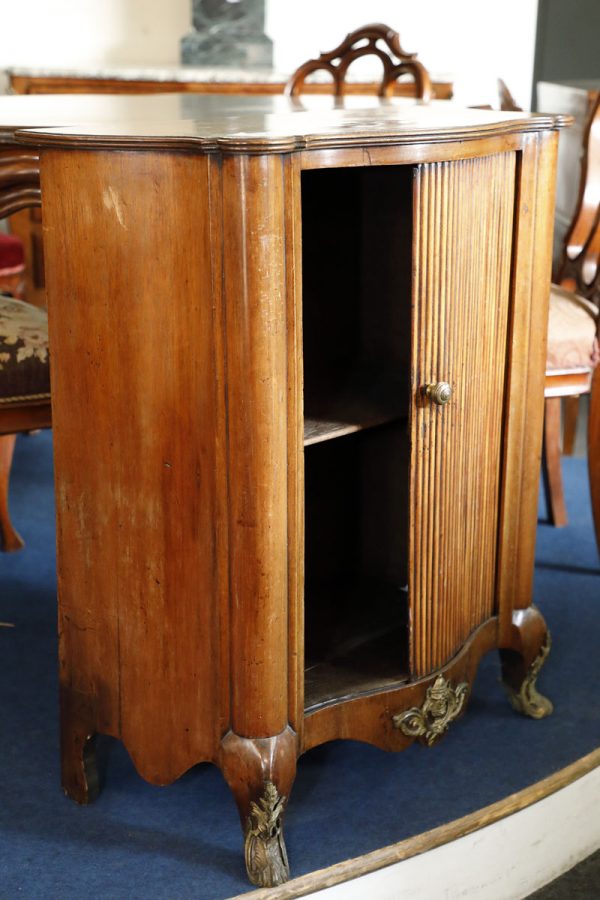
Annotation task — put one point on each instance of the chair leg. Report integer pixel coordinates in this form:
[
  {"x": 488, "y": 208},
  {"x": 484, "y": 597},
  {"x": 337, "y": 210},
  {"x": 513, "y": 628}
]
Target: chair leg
[
  {"x": 594, "y": 451},
  {"x": 9, "y": 538},
  {"x": 551, "y": 471},
  {"x": 570, "y": 410}
]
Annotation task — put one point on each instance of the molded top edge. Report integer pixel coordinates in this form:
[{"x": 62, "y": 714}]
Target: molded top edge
[{"x": 242, "y": 124}]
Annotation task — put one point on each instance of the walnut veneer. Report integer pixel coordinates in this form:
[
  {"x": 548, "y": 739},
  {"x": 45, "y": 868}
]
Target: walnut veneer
[{"x": 233, "y": 281}]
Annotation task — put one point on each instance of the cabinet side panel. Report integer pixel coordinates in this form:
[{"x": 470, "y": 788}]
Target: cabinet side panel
[
  {"x": 526, "y": 374},
  {"x": 137, "y": 437},
  {"x": 464, "y": 214}
]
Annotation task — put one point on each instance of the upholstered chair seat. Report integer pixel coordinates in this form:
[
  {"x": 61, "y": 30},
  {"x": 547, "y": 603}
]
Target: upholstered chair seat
[
  {"x": 24, "y": 368},
  {"x": 572, "y": 327},
  {"x": 24, "y": 391}
]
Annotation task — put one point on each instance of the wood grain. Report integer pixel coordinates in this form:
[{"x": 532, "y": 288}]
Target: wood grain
[
  {"x": 254, "y": 292},
  {"x": 551, "y": 469},
  {"x": 25, "y": 417},
  {"x": 522, "y": 439},
  {"x": 463, "y": 242},
  {"x": 137, "y": 540}
]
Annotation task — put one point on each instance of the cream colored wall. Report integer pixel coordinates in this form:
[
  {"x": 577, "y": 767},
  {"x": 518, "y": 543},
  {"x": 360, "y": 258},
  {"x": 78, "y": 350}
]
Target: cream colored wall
[
  {"x": 81, "y": 32},
  {"x": 472, "y": 41}
]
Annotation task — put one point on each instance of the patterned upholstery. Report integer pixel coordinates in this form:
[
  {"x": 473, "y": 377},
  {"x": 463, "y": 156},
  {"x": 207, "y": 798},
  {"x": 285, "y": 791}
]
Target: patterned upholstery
[
  {"x": 24, "y": 368},
  {"x": 572, "y": 342}
]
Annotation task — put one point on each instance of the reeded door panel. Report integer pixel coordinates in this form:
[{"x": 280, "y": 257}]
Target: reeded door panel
[{"x": 463, "y": 216}]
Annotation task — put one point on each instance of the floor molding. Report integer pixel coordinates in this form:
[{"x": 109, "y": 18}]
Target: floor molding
[{"x": 553, "y": 824}]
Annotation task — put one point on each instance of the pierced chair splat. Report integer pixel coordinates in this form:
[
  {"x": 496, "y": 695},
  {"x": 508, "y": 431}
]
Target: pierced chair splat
[{"x": 371, "y": 40}]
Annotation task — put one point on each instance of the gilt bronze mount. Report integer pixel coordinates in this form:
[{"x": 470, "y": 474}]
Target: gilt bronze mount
[{"x": 443, "y": 703}]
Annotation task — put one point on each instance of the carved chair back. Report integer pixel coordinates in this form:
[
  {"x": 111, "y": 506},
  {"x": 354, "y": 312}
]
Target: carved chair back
[
  {"x": 579, "y": 268},
  {"x": 19, "y": 181},
  {"x": 507, "y": 101},
  {"x": 366, "y": 41}
]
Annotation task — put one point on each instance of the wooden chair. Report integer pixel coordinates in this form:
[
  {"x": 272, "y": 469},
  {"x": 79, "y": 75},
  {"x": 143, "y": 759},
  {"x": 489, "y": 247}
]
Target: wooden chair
[
  {"x": 24, "y": 391},
  {"x": 507, "y": 101},
  {"x": 366, "y": 41},
  {"x": 573, "y": 331}
]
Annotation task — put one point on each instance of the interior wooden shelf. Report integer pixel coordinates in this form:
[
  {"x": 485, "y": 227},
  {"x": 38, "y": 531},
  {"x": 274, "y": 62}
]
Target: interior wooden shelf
[
  {"x": 363, "y": 650},
  {"x": 354, "y": 409},
  {"x": 372, "y": 665},
  {"x": 317, "y": 430}
]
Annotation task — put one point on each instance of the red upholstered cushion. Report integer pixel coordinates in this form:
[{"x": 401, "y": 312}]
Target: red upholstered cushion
[{"x": 11, "y": 251}]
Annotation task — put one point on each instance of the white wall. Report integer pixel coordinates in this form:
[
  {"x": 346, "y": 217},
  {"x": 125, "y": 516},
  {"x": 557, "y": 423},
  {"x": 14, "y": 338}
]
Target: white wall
[
  {"x": 80, "y": 32},
  {"x": 473, "y": 41}
]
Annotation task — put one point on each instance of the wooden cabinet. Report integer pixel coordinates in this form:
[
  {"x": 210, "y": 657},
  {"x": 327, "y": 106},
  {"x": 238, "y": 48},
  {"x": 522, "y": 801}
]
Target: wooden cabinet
[{"x": 309, "y": 349}]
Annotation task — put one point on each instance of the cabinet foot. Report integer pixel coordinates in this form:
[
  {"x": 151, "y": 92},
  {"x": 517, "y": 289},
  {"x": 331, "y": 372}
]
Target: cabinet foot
[
  {"x": 264, "y": 847},
  {"x": 79, "y": 772},
  {"x": 522, "y": 662},
  {"x": 260, "y": 773},
  {"x": 78, "y": 755}
]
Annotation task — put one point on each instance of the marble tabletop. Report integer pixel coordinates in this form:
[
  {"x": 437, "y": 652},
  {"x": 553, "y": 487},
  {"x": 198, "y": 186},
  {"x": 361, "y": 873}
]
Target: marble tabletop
[{"x": 181, "y": 73}]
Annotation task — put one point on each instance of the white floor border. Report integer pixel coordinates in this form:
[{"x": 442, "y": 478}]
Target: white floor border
[
  {"x": 496, "y": 854},
  {"x": 504, "y": 861}
]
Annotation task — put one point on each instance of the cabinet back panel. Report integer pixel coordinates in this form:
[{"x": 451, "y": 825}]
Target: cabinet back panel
[
  {"x": 356, "y": 278},
  {"x": 462, "y": 260},
  {"x": 355, "y": 563}
]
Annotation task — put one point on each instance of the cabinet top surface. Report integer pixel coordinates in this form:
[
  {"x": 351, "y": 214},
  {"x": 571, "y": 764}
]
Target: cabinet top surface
[{"x": 248, "y": 124}]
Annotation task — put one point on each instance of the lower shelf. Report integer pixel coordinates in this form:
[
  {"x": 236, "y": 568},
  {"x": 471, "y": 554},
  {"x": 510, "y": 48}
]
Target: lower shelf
[
  {"x": 362, "y": 669},
  {"x": 357, "y": 641}
]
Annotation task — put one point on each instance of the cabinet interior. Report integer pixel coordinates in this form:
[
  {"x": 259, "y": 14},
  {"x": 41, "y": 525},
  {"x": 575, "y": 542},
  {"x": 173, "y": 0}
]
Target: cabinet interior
[{"x": 356, "y": 290}]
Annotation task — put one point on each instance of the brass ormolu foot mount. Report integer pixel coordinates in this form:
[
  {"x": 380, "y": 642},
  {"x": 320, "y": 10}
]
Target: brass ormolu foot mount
[
  {"x": 261, "y": 772},
  {"x": 527, "y": 699},
  {"x": 264, "y": 847}
]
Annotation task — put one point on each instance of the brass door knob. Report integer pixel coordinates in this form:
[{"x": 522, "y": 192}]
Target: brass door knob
[{"x": 440, "y": 392}]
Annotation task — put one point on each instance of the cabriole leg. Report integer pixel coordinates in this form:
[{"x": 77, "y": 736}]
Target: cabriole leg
[
  {"x": 260, "y": 774},
  {"x": 529, "y": 646},
  {"x": 10, "y": 539}
]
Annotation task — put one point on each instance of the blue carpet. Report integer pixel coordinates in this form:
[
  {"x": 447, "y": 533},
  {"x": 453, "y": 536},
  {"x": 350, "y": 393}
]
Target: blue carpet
[{"x": 183, "y": 841}]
